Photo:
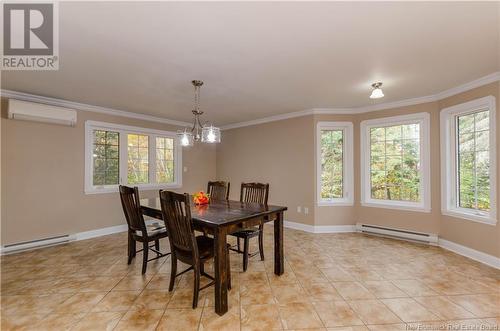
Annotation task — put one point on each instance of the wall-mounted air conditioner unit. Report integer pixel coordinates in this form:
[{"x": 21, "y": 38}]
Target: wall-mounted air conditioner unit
[{"x": 30, "y": 111}]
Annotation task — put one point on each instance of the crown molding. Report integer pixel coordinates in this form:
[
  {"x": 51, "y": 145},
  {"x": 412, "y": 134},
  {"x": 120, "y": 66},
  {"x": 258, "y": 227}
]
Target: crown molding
[
  {"x": 269, "y": 119},
  {"x": 86, "y": 107},
  {"x": 491, "y": 78},
  {"x": 494, "y": 77},
  {"x": 280, "y": 117}
]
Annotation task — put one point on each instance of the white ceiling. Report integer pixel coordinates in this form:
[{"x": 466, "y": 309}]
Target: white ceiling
[{"x": 261, "y": 59}]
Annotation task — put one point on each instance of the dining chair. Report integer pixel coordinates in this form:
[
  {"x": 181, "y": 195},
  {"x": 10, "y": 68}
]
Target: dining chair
[
  {"x": 138, "y": 231},
  {"x": 255, "y": 193},
  {"x": 184, "y": 245},
  {"x": 218, "y": 190}
]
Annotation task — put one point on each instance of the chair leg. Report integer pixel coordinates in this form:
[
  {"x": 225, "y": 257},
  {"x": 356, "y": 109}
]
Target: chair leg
[
  {"x": 245, "y": 253},
  {"x": 196, "y": 290},
  {"x": 145, "y": 249},
  {"x": 134, "y": 248},
  {"x": 261, "y": 242},
  {"x": 238, "y": 243},
  {"x": 129, "y": 248},
  {"x": 228, "y": 271},
  {"x": 157, "y": 246},
  {"x": 173, "y": 271}
]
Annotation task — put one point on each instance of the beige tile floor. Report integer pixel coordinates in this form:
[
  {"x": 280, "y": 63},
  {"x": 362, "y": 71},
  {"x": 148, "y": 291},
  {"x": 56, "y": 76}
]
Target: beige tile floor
[{"x": 331, "y": 282}]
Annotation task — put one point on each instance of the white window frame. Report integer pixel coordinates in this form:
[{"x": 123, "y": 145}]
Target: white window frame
[
  {"x": 347, "y": 166},
  {"x": 449, "y": 194},
  {"x": 124, "y": 130},
  {"x": 424, "y": 205}
]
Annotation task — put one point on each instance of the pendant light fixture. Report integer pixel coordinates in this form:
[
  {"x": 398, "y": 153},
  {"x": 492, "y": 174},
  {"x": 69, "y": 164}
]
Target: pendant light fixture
[
  {"x": 199, "y": 132},
  {"x": 377, "y": 91}
]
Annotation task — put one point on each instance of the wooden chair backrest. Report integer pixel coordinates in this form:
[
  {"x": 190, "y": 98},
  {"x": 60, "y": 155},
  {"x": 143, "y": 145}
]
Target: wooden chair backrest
[
  {"x": 176, "y": 212},
  {"x": 129, "y": 197},
  {"x": 218, "y": 190},
  {"x": 254, "y": 192}
]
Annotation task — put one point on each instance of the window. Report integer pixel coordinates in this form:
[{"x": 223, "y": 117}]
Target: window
[
  {"x": 105, "y": 157},
  {"x": 395, "y": 162},
  {"x": 118, "y": 154},
  {"x": 468, "y": 167},
  {"x": 138, "y": 159},
  {"x": 164, "y": 160},
  {"x": 334, "y": 163}
]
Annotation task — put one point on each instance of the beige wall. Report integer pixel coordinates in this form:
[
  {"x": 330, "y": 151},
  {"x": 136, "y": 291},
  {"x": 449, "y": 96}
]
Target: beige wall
[
  {"x": 483, "y": 237},
  {"x": 43, "y": 178},
  {"x": 329, "y": 215},
  {"x": 279, "y": 153},
  {"x": 416, "y": 221},
  {"x": 265, "y": 152}
]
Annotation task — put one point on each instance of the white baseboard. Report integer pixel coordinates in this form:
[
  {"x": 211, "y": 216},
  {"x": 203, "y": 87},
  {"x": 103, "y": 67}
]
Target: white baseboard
[
  {"x": 100, "y": 232},
  {"x": 69, "y": 238},
  {"x": 473, "y": 254},
  {"x": 320, "y": 228},
  {"x": 487, "y": 259}
]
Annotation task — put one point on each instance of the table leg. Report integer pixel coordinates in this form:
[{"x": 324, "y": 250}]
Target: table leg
[
  {"x": 279, "y": 257},
  {"x": 220, "y": 266}
]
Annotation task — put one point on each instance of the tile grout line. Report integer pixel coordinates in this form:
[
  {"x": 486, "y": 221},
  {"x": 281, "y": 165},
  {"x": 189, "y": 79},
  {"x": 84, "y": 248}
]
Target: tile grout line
[{"x": 142, "y": 290}]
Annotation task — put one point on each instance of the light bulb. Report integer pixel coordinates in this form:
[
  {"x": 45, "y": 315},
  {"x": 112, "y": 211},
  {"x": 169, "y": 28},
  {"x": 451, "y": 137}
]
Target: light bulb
[
  {"x": 184, "y": 140},
  {"x": 211, "y": 136}
]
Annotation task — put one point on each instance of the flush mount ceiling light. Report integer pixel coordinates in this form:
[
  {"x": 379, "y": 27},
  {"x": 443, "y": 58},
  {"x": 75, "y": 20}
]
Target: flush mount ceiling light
[
  {"x": 377, "y": 91},
  {"x": 199, "y": 132}
]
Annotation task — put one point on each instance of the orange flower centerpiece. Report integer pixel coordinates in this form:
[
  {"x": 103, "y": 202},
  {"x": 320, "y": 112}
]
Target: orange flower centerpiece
[{"x": 201, "y": 198}]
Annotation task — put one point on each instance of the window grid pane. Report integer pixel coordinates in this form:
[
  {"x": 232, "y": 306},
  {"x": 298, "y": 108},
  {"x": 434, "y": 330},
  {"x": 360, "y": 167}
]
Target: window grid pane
[
  {"x": 332, "y": 160},
  {"x": 473, "y": 180},
  {"x": 105, "y": 157},
  {"x": 138, "y": 159},
  {"x": 164, "y": 160},
  {"x": 395, "y": 162}
]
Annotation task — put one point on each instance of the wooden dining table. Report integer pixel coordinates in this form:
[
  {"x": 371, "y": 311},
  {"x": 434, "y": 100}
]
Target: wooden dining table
[{"x": 220, "y": 218}]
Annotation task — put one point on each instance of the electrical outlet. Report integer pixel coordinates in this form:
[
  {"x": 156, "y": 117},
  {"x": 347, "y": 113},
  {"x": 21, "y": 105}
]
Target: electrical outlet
[
  {"x": 185, "y": 169},
  {"x": 299, "y": 209},
  {"x": 306, "y": 210}
]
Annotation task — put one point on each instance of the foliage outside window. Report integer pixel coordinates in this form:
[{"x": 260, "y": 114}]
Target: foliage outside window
[
  {"x": 119, "y": 154},
  {"x": 469, "y": 160},
  {"x": 395, "y": 165},
  {"x": 395, "y": 162},
  {"x": 473, "y": 161},
  {"x": 164, "y": 160},
  {"x": 334, "y": 163},
  {"x": 138, "y": 159},
  {"x": 105, "y": 157}
]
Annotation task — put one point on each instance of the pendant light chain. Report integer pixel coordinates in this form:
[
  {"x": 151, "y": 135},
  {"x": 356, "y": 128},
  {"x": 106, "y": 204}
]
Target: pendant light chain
[
  {"x": 199, "y": 132},
  {"x": 197, "y": 98}
]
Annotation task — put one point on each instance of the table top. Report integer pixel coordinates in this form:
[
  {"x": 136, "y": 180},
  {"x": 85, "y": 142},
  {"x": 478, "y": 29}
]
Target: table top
[{"x": 221, "y": 212}]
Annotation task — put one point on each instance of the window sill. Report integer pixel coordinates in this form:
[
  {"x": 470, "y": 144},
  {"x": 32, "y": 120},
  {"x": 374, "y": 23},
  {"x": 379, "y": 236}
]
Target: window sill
[
  {"x": 335, "y": 203},
  {"x": 144, "y": 187},
  {"x": 470, "y": 217},
  {"x": 397, "y": 206}
]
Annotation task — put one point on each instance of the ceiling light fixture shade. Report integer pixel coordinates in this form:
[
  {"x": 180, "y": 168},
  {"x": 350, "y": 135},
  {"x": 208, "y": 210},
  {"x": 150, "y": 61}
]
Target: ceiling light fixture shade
[
  {"x": 186, "y": 138},
  {"x": 199, "y": 132},
  {"x": 377, "y": 91},
  {"x": 210, "y": 134}
]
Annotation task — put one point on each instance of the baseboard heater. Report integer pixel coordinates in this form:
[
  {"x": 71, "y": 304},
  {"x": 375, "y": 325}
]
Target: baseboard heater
[
  {"x": 398, "y": 233},
  {"x": 27, "y": 245}
]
